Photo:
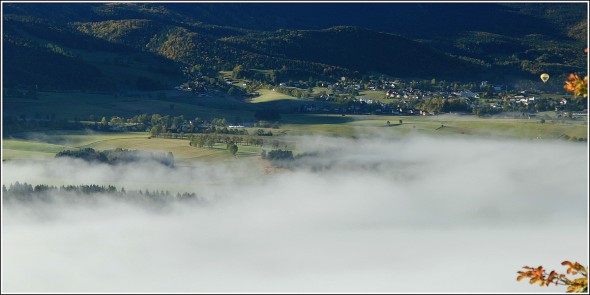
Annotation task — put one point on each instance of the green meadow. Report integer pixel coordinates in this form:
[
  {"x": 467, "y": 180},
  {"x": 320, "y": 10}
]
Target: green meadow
[
  {"x": 267, "y": 95},
  {"x": 354, "y": 125},
  {"x": 82, "y": 105},
  {"x": 46, "y": 144}
]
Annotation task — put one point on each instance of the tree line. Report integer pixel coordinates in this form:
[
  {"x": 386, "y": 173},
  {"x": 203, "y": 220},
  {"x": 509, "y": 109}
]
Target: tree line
[
  {"x": 209, "y": 140},
  {"x": 118, "y": 156},
  {"x": 25, "y": 192},
  {"x": 277, "y": 155}
]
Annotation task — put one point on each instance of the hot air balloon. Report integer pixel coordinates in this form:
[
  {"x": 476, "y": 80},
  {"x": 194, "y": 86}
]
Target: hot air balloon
[{"x": 545, "y": 77}]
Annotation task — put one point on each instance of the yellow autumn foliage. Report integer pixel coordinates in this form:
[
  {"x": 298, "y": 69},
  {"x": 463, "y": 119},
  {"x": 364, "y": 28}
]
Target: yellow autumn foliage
[
  {"x": 540, "y": 276},
  {"x": 576, "y": 84}
]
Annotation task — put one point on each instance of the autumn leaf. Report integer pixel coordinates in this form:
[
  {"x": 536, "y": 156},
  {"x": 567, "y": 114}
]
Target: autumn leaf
[
  {"x": 577, "y": 85},
  {"x": 550, "y": 278}
]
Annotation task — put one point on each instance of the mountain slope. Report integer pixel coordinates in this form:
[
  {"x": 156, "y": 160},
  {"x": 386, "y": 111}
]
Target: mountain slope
[
  {"x": 84, "y": 43},
  {"x": 357, "y": 49},
  {"x": 34, "y": 54},
  {"x": 47, "y": 55}
]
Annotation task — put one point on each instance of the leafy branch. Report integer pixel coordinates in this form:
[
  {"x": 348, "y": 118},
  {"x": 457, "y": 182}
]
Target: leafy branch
[
  {"x": 576, "y": 84},
  {"x": 540, "y": 276}
]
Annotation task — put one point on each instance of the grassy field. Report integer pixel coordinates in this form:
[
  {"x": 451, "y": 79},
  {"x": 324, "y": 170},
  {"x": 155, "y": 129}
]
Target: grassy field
[
  {"x": 172, "y": 102},
  {"x": 37, "y": 145},
  {"x": 318, "y": 90},
  {"x": 47, "y": 144},
  {"x": 267, "y": 95},
  {"x": 353, "y": 125},
  {"x": 378, "y": 95},
  {"x": 179, "y": 147},
  {"x": 18, "y": 149}
]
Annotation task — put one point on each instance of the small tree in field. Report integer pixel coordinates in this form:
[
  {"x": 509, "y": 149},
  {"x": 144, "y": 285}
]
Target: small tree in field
[{"x": 233, "y": 148}]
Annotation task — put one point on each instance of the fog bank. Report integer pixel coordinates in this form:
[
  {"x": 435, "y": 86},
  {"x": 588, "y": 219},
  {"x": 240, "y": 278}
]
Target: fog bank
[{"x": 414, "y": 215}]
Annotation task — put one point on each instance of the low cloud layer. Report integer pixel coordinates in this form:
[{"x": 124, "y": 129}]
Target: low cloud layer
[{"x": 413, "y": 215}]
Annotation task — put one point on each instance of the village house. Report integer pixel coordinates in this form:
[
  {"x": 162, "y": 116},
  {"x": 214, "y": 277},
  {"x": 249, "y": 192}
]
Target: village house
[{"x": 468, "y": 94}]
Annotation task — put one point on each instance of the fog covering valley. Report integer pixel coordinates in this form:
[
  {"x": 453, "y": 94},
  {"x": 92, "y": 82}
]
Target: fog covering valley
[{"x": 418, "y": 214}]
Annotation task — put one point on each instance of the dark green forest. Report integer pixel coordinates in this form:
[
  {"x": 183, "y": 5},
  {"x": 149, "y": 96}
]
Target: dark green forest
[
  {"x": 18, "y": 193},
  {"x": 117, "y": 156},
  {"x": 55, "y": 46}
]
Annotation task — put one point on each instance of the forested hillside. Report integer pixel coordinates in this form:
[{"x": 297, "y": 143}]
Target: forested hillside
[{"x": 81, "y": 45}]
